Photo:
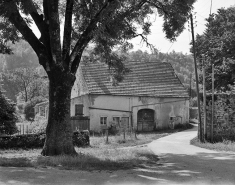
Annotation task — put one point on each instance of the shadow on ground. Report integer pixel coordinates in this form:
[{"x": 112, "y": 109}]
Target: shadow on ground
[{"x": 203, "y": 168}]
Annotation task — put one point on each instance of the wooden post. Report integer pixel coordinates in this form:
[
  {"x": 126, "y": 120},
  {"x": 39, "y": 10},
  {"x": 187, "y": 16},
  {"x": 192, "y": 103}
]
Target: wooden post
[
  {"x": 23, "y": 129},
  {"x": 124, "y": 134},
  {"x": 107, "y": 136},
  {"x": 197, "y": 84},
  {"x": 204, "y": 99},
  {"x": 213, "y": 99},
  {"x": 190, "y": 86}
]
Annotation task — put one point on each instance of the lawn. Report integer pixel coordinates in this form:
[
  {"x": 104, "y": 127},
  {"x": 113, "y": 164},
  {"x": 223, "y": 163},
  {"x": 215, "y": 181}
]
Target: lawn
[
  {"x": 100, "y": 155},
  {"x": 228, "y": 146}
]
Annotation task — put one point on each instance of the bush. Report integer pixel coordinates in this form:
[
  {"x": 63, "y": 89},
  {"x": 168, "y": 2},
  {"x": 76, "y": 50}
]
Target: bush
[
  {"x": 38, "y": 125},
  {"x": 30, "y": 141},
  {"x": 81, "y": 139},
  {"x": 29, "y": 111},
  {"x": 22, "y": 141}
]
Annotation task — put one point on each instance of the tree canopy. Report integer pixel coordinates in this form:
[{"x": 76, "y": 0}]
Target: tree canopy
[
  {"x": 217, "y": 46},
  {"x": 106, "y": 24}
]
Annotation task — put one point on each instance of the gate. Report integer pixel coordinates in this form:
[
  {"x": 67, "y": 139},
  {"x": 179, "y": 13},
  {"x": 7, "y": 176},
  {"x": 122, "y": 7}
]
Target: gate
[
  {"x": 145, "y": 120},
  {"x": 80, "y": 123}
]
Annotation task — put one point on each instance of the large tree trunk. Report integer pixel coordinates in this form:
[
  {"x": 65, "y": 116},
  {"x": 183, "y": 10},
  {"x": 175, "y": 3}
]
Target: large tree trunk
[{"x": 59, "y": 130}]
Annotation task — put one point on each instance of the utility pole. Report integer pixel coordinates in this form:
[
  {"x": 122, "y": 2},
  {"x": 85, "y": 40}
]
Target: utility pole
[
  {"x": 204, "y": 99},
  {"x": 213, "y": 103},
  {"x": 197, "y": 86}
]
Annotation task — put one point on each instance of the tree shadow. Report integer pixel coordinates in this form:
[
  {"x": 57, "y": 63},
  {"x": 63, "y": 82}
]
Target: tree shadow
[{"x": 203, "y": 168}]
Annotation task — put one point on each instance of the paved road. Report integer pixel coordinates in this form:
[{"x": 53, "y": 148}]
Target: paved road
[
  {"x": 187, "y": 164},
  {"x": 180, "y": 163}
]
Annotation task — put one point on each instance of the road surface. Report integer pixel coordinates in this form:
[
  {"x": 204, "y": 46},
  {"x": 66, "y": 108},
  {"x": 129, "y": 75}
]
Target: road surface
[{"x": 179, "y": 164}]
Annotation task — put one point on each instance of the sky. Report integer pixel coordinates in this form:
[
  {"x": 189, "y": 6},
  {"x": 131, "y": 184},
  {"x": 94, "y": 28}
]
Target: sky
[
  {"x": 201, "y": 10},
  {"x": 157, "y": 37}
]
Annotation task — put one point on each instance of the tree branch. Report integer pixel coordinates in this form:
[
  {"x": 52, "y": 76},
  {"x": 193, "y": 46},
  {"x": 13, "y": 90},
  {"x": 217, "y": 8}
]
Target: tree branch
[
  {"x": 67, "y": 30},
  {"x": 87, "y": 33},
  {"x": 16, "y": 19},
  {"x": 41, "y": 24}
]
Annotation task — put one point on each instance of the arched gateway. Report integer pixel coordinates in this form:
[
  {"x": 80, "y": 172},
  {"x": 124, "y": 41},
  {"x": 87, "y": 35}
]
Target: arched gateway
[{"x": 145, "y": 120}]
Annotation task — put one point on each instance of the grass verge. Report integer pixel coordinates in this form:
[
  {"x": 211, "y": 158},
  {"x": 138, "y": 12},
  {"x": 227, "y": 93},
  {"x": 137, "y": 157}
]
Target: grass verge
[
  {"x": 226, "y": 145},
  {"x": 87, "y": 159}
]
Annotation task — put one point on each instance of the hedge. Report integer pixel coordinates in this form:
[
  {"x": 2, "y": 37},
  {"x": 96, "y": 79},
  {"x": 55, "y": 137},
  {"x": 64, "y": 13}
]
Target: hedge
[{"x": 37, "y": 141}]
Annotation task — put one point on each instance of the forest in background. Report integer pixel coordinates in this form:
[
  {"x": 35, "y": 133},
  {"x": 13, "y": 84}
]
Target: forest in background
[{"x": 25, "y": 58}]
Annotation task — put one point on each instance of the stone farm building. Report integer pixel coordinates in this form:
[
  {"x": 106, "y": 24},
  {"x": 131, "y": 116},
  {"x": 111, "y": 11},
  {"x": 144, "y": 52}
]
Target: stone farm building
[{"x": 150, "y": 97}]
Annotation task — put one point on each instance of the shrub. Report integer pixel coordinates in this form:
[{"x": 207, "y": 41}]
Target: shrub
[
  {"x": 37, "y": 141},
  {"x": 29, "y": 111},
  {"x": 22, "y": 141},
  {"x": 81, "y": 139},
  {"x": 38, "y": 125}
]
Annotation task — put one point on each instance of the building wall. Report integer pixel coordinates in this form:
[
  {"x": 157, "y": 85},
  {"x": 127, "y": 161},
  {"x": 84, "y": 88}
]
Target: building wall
[{"x": 122, "y": 106}]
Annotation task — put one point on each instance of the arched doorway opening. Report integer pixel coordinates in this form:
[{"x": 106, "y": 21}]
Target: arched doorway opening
[{"x": 145, "y": 120}]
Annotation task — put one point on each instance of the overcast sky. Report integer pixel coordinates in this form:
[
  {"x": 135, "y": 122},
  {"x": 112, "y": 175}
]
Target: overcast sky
[{"x": 202, "y": 9}]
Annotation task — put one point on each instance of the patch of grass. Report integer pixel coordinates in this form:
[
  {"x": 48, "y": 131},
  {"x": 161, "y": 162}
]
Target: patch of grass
[
  {"x": 220, "y": 146},
  {"x": 15, "y": 162},
  {"x": 99, "y": 159},
  {"x": 118, "y": 141},
  {"x": 87, "y": 159}
]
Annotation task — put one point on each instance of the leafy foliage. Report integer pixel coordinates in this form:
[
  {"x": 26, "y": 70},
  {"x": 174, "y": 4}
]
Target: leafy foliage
[
  {"x": 7, "y": 116},
  {"x": 217, "y": 45},
  {"x": 37, "y": 141},
  {"x": 27, "y": 83},
  {"x": 23, "y": 56},
  {"x": 22, "y": 141}
]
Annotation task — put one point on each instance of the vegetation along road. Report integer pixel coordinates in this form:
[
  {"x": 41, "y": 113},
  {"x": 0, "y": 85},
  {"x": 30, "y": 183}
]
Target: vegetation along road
[{"x": 179, "y": 163}]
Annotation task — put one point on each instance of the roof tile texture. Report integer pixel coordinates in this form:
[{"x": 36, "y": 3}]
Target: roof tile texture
[{"x": 156, "y": 79}]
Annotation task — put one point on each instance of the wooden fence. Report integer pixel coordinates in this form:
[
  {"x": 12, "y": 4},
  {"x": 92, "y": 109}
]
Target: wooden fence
[{"x": 80, "y": 123}]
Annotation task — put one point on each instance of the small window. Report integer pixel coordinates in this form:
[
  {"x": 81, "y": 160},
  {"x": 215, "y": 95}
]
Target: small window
[
  {"x": 103, "y": 120},
  {"x": 78, "y": 109},
  {"x": 116, "y": 121},
  {"x": 42, "y": 111}
]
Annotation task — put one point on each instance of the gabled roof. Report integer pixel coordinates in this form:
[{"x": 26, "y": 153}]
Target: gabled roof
[{"x": 156, "y": 79}]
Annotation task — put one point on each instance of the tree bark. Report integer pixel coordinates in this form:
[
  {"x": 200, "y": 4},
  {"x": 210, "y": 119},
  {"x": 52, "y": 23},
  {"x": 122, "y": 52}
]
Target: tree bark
[{"x": 59, "y": 130}]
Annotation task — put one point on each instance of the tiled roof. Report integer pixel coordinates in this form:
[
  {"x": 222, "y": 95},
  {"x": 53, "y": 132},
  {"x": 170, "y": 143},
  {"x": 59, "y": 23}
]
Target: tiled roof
[{"x": 145, "y": 79}]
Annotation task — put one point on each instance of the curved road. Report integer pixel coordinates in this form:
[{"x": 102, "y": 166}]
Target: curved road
[
  {"x": 179, "y": 163},
  {"x": 187, "y": 164}
]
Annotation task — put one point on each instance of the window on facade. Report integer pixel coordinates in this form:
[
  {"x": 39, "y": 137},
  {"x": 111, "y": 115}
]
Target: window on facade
[
  {"x": 78, "y": 109},
  {"x": 116, "y": 121},
  {"x": 42, "y": 111},
  {"x": 103, "y": 120}
]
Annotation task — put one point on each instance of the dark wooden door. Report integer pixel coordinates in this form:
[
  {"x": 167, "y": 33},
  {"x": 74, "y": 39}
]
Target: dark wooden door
[{"x": 145, "y": 120}]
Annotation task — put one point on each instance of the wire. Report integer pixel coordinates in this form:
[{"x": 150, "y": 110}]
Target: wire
[{"x": 170, "y": 47}]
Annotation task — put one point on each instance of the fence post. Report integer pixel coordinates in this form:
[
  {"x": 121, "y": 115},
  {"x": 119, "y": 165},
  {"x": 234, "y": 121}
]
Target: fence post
[
  {"x": 124, "y": 134},
  {"x": 107, "y": 135}
]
